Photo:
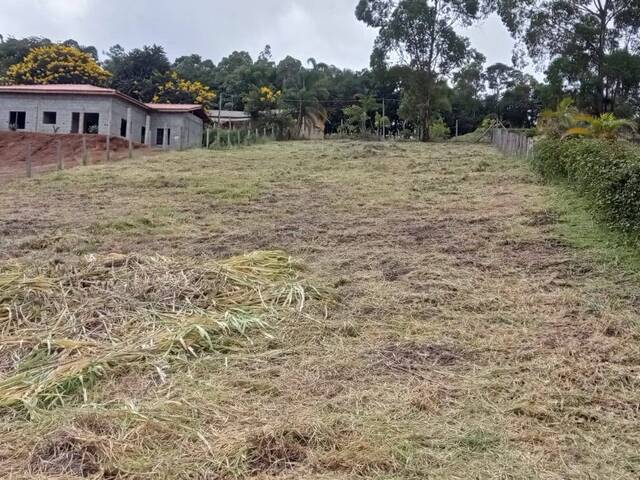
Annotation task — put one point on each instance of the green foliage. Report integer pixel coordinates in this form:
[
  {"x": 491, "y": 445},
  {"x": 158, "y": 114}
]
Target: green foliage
[
  {"x": 359, "y": 115},
  {"x": 606, "y": 126},
  {"x": 304, "y": 99},
  {"x": 439, "y": 130},
  {"x": 555, "y": 123},
  {"x": 582, "y": 37},
  {"x": 606, "y": 173},
  {"x": 139, "y": 72},
  {"x": 423, "y": 34},
  {"x": 567, "y": 121},
  {"x": 224, "y": 138}
]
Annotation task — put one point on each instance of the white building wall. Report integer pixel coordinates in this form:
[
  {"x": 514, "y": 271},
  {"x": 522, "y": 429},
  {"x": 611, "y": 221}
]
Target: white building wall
[
  {"x": 64, "y": 105},
  {"x": 111, "y": 110},
  {"x": 138, "y": 119},
  {"x": 187, "y": 123}
]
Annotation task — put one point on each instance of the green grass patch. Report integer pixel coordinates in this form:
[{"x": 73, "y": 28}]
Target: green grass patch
[{"x": 578, "y": 225}]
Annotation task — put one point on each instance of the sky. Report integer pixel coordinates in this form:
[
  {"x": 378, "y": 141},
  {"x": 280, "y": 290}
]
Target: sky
[{"x": 324, "y": 29}]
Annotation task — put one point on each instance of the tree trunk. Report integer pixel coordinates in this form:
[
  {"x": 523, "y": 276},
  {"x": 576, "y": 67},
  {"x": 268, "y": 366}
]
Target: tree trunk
[
  {"x": 425, "y": 120},
  {"x": 600, "y": 106}
]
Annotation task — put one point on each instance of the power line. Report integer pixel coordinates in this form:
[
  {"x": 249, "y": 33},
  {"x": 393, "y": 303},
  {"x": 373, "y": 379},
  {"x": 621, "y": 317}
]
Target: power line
[{"x": 337, "y": 101}]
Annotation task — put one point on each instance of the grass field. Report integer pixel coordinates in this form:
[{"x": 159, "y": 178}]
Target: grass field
[{"x": 448, "y": 317}]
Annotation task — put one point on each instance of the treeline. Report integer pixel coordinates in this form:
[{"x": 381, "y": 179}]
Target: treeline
[
  {"x": 350, "y": 101},
  {"x": 424, "y": 77}
]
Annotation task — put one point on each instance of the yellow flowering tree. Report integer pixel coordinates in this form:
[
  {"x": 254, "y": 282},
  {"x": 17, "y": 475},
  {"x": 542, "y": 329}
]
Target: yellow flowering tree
[
  {"x": 57, "y": 64},
  {"x": 262, "y": 99},
  {"x": 178, "y": 90}
]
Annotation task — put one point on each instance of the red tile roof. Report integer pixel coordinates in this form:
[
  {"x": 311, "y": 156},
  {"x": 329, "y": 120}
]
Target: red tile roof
[
  {"x": 65, "y": 88},
  {"x": 196, "y": 109},
  {"x": 70, "y": 89}
]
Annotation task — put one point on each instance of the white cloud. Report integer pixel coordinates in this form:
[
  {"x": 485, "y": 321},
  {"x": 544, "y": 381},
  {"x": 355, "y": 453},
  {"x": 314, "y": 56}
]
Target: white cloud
[
  {"x": 326, "y": 30},
  {"x": 63, "y": 10}
]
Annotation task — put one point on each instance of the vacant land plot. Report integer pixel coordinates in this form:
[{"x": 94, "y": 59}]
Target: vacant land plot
[{"x": 453, "y": 334}]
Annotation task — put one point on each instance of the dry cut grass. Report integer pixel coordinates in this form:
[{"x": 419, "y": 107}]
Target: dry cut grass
[{"x": 444, "y": 325}]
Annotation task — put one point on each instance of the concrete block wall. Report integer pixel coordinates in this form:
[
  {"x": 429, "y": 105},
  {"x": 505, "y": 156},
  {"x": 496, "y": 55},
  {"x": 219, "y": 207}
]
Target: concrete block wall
[
  {"x": 192, "y": 128},
  {"x": 138, "y": 119},
  {"x": 111, "y": 110},
  {"x": 64, "y": 105}
]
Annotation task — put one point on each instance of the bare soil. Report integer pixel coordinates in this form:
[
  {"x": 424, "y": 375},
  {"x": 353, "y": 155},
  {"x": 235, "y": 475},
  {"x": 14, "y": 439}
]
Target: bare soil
[{"x": 13, "y": 151}]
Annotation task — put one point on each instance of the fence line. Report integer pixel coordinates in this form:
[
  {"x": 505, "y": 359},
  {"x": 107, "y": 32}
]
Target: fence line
[{"x": 512, "y": 143}]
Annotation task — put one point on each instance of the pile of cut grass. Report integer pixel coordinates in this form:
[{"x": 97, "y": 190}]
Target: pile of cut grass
[{"x": 67, "y": 326}]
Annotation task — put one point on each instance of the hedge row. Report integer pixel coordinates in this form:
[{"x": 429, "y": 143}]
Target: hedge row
[{"x": 606, "y": 173}]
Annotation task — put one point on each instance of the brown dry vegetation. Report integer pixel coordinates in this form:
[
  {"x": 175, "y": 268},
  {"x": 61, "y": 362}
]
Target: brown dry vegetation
[{"x": 468, "y": 340}]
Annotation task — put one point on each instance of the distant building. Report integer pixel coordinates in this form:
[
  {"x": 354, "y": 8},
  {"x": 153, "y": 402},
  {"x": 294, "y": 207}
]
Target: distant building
[
  {"x": 88, "y": 109},
  {"x": 230, "y": 119}
]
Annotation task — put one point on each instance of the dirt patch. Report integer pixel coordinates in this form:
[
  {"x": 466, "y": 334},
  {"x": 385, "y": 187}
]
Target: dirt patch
[
  {"x": 543, "y": 218},
  {"x": 69, "y": 452},
  {"x": 413, "y": 357},
  {"x": 276, "y": 452},
  {"x": 13, "y": 151}
]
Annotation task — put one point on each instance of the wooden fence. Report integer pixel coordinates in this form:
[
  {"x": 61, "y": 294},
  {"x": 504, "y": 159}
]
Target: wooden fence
[{"x": 512, "y": 143}]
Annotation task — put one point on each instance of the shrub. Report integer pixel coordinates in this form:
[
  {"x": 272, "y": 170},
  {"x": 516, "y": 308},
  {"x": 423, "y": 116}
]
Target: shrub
[
  {"x": 439, "y": 130},
  {"x": 607, "y": 173}
]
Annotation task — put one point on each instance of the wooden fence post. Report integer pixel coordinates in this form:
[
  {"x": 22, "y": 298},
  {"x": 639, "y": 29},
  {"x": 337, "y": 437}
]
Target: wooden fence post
[
  {"x": 59, "y": 154},
  {"x": 208, "y": 134},
  {"x": 228, "y": 138},
  {"x": 28, "y": 160},
  {"x": 84, "y": 150}
]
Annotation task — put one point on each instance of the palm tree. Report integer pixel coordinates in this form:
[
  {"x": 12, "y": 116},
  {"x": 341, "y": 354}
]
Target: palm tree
[
  {"x": 555, "y": 123},
  {"x": 305, "y": 99},
  {"x": 606, "y": 127}
]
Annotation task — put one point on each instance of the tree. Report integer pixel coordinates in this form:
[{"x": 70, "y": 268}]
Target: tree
[
  {"x": 233, "y": 79},
  {"x": 467, "y": 105},
  {"x": 304, "y": 100},
  {"x": 262, "y": 100},
  {"x": 178, "y": 90},
  {"x": 606, "y": 127},
  {"x": 519, "y": 105},
  {"x": 195, "y": 69},
  {"x": 359, "y": 114},
  {"x": 288, "y": 72},
  {"x": 57, "y": 64},
  {"x": 13, "y": 50},
  {"x": 420, "y": 36},
  {"x": 500, "y": 77},
  {"x": 137, "y": 73},
  {"x": 582, "y": 32}
]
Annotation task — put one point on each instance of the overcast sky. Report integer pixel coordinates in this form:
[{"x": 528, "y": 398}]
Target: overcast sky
[{"x": 324, "y": 29}]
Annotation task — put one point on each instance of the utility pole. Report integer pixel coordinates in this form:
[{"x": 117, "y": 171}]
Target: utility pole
[{"x": 219, "y": 111}]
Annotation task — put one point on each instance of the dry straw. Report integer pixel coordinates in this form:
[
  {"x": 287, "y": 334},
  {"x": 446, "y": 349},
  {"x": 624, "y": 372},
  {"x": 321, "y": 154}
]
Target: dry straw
[{"x": 64, "y": 329}]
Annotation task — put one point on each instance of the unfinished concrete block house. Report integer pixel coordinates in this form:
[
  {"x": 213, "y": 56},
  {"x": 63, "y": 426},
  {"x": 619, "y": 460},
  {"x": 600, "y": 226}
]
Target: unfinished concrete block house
[{"x": 86, "y": 109}]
